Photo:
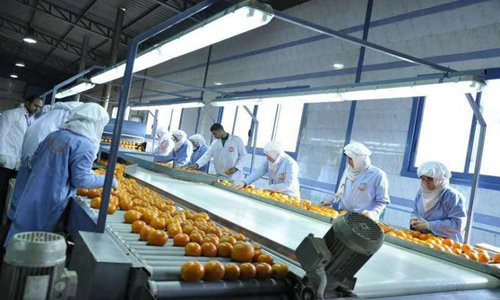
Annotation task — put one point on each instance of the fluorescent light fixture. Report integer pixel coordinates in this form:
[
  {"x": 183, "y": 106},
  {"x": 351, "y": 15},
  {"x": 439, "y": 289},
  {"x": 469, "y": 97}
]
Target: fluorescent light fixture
[
  {"x": 20, "y": 64},
  {"x": 76, "y": 89},
  {"x": 180, "y": 103},
  {"x": 236, "y": 20},
  {"x": 218, "y": 83},
  {"x": 13, "y": 76},
  {"x": 389, "y": 89},
  {"x": 338, "y": 66},
  {"x": 30, "y": 36}
]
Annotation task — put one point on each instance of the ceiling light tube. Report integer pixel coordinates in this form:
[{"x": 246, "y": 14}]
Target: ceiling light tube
[
  {"x": 158, "y": 104},
  {"x": 389, "y": 89},
  {"x": 234, "y": 21},
  {"x": 76, "y": 89}
]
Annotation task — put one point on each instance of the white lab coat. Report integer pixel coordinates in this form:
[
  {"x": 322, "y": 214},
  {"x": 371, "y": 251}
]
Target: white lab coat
[
  {"x": 13, "y": 126},
  {"x": 226, "y": 157}
]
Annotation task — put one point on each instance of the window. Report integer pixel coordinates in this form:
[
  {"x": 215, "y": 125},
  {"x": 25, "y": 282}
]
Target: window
[
  {"x": 276, "y": 122},
  {"x": 490, "y": 107},
  {"x": 444, "y": 131},
  {"x": 167, "y": 117},
  {"x": 114, "y": 112}
]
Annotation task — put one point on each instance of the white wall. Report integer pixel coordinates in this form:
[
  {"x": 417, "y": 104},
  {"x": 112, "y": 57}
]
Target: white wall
[{"x": 460, "y": 34}]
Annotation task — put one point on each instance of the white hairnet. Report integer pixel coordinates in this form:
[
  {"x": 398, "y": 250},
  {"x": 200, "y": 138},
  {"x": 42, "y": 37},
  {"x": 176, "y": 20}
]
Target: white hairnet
[
  {"x": 88, "y": 120},
  {"x": 197, "y": 140},
  {"x": 435, "y": 170},
  {"x": 179, "y": 137},
  {"x": 161, "y": 131},
  {"x": 273, "y": 149},
  {"x": 70, "y": 105},
  {"x": 360, "y": 155}
]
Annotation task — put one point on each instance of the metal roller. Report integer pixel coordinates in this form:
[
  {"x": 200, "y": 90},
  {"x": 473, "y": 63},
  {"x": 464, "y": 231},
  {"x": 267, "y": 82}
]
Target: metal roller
[
  {"x": 145, "y": 247},
  {"x": 155, "y": 259},
  {"x": 176, "y": 289},
  {"x": 165, "y": 273}
]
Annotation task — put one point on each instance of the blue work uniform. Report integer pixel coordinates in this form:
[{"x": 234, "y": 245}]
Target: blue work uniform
[
  {"x": 180, "y": 157},
  {"x": 197, "y": 154},
  {"x": 446, "y": 217},
  {"x": 22, "y": 177},
  {"x": 285, "y": 179},
  {"x": 370, "y": 191},
  {"x": 62, "y": 163}
]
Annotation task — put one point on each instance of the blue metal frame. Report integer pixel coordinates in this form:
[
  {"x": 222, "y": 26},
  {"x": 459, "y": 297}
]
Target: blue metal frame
[
  {"x": 124, "y": 94},
  {"x": 459, "y": 178}
]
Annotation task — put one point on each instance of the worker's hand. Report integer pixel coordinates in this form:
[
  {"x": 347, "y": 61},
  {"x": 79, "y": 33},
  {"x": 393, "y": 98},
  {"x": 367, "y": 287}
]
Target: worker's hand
[
  {"x": 370, "y": 214},
  {"x": 231, "y": 171},
  {"x": 115, "y": 184},
  {"x": 420, "y": 224}
]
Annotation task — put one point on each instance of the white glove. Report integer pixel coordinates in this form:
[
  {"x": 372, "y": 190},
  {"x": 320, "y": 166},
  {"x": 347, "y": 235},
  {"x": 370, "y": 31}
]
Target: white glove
[
  {"x": 115, "y": 184},
  {"x": 421, "y": 224},
  {"x": 371, "y": 214}
]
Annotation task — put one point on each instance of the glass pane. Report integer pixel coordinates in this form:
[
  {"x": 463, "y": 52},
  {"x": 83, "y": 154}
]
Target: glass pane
[
  {"x": 228, "y": 118},
  {"x": 444, "y": 133},
  {"x": 114, "y": 112},
  {"x": 149, "y": 122},
  {"x": 266, "y": 115},
  {"x": 176, "y": 119},
  {"x": 490, "y": 103},
  {"x": 288, "y": 126},
  {"x": 243, "y": 123}
]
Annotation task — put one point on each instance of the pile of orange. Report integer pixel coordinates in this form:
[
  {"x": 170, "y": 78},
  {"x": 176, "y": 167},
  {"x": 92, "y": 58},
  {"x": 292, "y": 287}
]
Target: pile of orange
[
  {"x": 194, "y": 271},
  {"x": 125, "y": 144},
  {"x": 293, "y": 201},
  {"x": 185, "y": 169},
  {"x": 440, "y": 244}
]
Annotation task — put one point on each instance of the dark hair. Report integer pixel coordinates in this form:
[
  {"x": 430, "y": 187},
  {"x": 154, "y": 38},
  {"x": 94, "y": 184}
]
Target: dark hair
[
  {"x": 216, "y": 126},
  {"x": 33, "y": 98}
]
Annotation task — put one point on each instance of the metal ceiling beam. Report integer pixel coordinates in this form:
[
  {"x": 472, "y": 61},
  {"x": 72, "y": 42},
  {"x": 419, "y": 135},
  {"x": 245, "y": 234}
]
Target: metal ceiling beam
[
  {"x": 77, "y": 20},
  {"x": 49, "y": 40},
  {"x": 173, "y": 8},
  {"x": 14, "y": 43},
  {"x": 31, "y": 77}
]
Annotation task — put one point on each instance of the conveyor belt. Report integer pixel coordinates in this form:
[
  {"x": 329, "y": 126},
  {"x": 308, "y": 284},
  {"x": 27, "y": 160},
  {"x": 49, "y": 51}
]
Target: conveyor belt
[{"x": 392, "y": 271}]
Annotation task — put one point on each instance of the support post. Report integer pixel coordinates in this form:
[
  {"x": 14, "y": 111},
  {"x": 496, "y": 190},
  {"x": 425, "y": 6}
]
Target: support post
[
  {"x": 83, "y": 59},
  {"x": 477, "y": 167},
  {"x": 120, "y": 13},
  {"x": 255, "y": 130},
  {"x": 352, "y": 111},
  {"x": 202, "y": 93}
]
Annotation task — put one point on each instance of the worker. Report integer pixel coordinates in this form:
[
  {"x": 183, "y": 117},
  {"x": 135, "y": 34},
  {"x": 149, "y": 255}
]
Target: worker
[
  {"x": 13, "y": 126},
  {"x": 199, "y": 148},
  {"x": 363, "y": 188},
  {"x": 165, "y": 143},
  {"x": 38, "y": 131},
  {"x": 181, "y": 154},
  {"x": 438, "y": 207},
  {"x": 228, "y": 152},
  {"x": 281, "y": 169},
  {"x": 61, "y": 164}
]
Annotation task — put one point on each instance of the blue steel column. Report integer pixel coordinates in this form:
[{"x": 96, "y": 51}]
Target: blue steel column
[
  {"x": 359, "y": 71},
  {"x": 122, "y": 102},
  {"x": 477, "y": 167}
]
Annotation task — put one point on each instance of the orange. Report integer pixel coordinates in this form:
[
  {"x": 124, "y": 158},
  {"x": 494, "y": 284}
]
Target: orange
[
  {"x": 174, "y": 230},
  {"x": 144, "y": 233},
  {"x": 457, "y": 251},
  {"x": 391, "y": 233},
  {"x": 215, "y": 231},
  {"x": 137, "y": 226},
  {"x": 458, "y": 246},
  {"x": 209, "y": 250},
  {"x": 181, "y": 239},
  {"x": 148, "y": 216},
  {"x": 256, "y": 255},
  {"x": 484, "y": 258},
  {"x": 196, "y": 238},
  {"x": 224, "y": 249},
  {"x": 112, "y": 209},
  {"x": 243, "y": 252},
  {"x": 496, "y": 258},
  {"x": 467, "y": 248},
  {"x": 95, "y": 202},
  {"x": 263, "y": 270},
  {"x": 448, "y": 242},
  {"x": 423, "y": 236},
  {"x": 256, "y": 246},
  {"x": 247, "y": 271},
  {"x": 187, "y": 228},
  {"x": 214, "y": 271},
  {"x": 232, "y": 271},
  {"x": 158, "y": 223},
  {"x": 131, "y": 216},
  {"x": 192, "y": 249},
  {"x": 239, "y": 237},
  {"x": 126, "y": 204},
  {"x": 157, "y": 238},
  {"x": 280, "y": 270},
  {"x": 465, "y": 255},
  {"x": 210, "y": 239},
  {"x": 473, "y": 255},
  {"x": 265, "y": 258},
  {"x": 192, "y": 271},
  {"x": 231, "y": 240},
  {"x": 343, "y": 212}
]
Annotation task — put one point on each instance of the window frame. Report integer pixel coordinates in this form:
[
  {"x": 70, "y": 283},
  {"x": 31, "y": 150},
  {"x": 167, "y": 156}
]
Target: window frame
[{"x": 461, "y": 178}]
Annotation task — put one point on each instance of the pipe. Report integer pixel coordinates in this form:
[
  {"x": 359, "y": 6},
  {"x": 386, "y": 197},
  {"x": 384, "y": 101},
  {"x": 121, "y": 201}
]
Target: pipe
[
  {"x": 120, "y": 14},
  {"x": 176, "y": 289},
  {"x": 477, "y": 167}
]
